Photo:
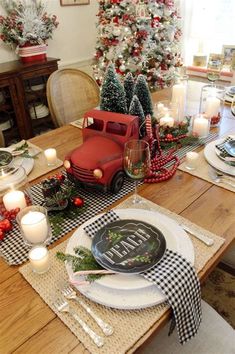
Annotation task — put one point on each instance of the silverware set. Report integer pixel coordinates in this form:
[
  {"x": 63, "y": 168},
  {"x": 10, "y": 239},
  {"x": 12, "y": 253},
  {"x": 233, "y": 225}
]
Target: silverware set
[
  {"x": 62, "y": 305},
  {"x": 220, "y": 177}
]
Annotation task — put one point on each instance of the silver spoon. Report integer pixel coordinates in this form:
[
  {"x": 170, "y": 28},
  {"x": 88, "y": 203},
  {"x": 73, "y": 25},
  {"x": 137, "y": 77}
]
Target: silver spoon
[{"x": 219, "y": 177}]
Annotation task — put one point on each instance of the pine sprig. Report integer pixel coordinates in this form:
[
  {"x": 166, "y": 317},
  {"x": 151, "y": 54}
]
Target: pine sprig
[{"x": 83, "y": 260}]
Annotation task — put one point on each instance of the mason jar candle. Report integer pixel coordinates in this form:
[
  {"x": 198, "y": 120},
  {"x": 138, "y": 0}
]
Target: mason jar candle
[
  {"x": 34, "y": 225},
  {"x": 212, "y": 103}
]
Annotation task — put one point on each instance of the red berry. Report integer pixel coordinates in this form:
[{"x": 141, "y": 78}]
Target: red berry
[{"x": 2, "y": 234}]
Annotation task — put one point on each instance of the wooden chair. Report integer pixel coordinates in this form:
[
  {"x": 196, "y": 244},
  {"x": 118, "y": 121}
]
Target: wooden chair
[
  {"x": 70, "y": 93},
  {"x": 2, "y": 140}
]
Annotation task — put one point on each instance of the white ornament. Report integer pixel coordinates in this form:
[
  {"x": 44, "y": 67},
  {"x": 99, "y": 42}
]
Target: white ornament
[
  {"x": 116, "y": 32},
  {"x": 109, "y": 55},
  {"x": 142, "y": 11},
  {"x": 122, "y": 68}
]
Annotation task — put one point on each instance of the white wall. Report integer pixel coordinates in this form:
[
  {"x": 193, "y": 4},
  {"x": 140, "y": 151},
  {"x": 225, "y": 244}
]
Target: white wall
[{"x": 74, "y": 40}]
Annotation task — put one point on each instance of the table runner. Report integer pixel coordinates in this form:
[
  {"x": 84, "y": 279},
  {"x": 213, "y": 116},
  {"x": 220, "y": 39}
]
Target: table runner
[
  {"x": 13, "y": 249},
  {"x": 202, "y": 171},
  {"x": 129, "y": 326}
]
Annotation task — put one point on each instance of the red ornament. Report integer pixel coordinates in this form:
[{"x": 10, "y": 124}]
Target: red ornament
[
  {"x": 78, "y": 202},
  {"x": 5, "y": 225},
  {"x": 60, "y": 177}
]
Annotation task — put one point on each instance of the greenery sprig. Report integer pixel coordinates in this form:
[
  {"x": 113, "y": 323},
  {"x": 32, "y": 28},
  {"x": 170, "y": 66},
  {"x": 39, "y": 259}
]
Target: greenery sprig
[{"x": 82, "y": 260}]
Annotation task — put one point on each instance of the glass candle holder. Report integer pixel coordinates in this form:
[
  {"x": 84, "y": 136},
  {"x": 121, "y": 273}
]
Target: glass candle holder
[
  {"x": 14, "y": 188},
  {"x": 200, "y": 126},
  {"x": 34, "y": 225},
  {"x": 179, "y": 95},
  {"x": 51, "y": 157},
  {"x": 191, "y": 160},
  {"x": 39, "y": 259},
  {"x": 166, "y": 108},
  {"x": 212, "y": 103}
]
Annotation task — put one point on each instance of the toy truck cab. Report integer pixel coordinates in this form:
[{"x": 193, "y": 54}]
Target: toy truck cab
[{"x": 98, "y": 162}]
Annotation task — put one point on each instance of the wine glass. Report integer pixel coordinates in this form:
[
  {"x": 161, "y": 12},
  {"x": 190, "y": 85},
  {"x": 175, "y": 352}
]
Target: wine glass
[
  {"x": 233, "y": 106},
  {"x": 136, "y": 163},
  {"x": 214, "y": 69}
]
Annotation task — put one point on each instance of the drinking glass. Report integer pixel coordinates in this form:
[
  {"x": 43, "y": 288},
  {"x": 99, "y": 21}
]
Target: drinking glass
[{"x": 136, "y": 162}]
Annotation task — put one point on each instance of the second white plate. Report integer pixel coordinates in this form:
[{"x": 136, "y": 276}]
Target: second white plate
[{"x": 213, "y": 159}]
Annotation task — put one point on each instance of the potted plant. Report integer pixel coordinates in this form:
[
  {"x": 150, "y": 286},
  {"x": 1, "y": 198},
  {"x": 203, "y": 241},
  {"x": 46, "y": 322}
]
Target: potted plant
[{"x": 27, "y": 26}]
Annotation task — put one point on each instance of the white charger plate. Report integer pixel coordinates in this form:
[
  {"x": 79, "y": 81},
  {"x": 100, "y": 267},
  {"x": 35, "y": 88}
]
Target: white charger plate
[
  {"x": 211, "y": 155},
  {"x": 125, "y": 291}
]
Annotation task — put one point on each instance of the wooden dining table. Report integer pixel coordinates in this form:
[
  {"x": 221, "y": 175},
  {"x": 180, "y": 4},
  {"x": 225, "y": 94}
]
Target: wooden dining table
[{"x": 28, "y": 325}]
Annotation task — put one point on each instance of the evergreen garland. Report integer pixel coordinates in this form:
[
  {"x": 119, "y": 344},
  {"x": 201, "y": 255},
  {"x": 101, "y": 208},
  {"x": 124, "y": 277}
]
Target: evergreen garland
[
  {"x": 141, "y": 90},
  {"x": 129, "y": 88},
  {"x": 112, "y": 97},
  {"x": 137, "y": 110}
]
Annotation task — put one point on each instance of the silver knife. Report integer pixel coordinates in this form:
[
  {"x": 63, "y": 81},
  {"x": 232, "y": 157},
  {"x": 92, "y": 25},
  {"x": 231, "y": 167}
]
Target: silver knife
[{"x": 208, "y": 241}]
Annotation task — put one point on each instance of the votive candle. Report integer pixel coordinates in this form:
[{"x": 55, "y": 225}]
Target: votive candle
[
  {"x": 39, "y": 259},
  {"x": 34, "y": 226},
  {"x": 166, "y": 120},
  {"x": 14, "y": 199},
  {"x": 191, "y": 160},
  {"x": 51, "y": 156}
]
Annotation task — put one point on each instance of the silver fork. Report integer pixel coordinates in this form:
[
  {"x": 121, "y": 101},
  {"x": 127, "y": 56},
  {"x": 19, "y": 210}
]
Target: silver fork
[
  {"x": 63, "y": 306},
  {"x": 70, "y": 293}
]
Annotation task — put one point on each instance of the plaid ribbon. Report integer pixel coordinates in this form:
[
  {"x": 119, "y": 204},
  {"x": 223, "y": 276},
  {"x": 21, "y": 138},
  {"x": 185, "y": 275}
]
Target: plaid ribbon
[{"x": 176, "y": 278}]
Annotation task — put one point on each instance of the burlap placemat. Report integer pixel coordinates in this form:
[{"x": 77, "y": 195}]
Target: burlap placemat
[
  {"x": 202, "y": 171},
  {"x": 129, "y": 326},
  {"x": 40, "y": 167}
]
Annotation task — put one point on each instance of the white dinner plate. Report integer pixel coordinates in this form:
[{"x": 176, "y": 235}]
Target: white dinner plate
[
  {"x": 211, "y": 155},
  {"x": 125, "y": 291}
]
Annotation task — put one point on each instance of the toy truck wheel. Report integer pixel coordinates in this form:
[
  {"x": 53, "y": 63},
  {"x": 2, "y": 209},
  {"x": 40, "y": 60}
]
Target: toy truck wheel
[{"x": 117, "y": 182}]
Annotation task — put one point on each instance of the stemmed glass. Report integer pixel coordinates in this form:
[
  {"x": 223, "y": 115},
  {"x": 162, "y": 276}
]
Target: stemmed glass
[
  {"x": 214, "y": 69},
  {"x": 233, "y": 106},
  {"x": 136, "y": 162}
]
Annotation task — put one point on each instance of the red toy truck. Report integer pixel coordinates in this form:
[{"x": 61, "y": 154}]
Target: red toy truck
[{"x": 98, "y": 162}]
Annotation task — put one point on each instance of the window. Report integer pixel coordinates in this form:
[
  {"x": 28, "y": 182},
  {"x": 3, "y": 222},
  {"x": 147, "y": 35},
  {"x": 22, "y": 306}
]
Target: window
[{"x": 207, "y": 25}]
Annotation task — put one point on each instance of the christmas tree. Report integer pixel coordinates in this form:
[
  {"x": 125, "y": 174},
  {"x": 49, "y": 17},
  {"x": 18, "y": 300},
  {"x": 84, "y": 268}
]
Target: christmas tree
[
  {"x": 129, "y": 88},
  {"x": 137, "y": 110},
  {"x": 141, "y": 90},
  {"x": 139, "y": 36},
  {"x": 112, "y": 96}
]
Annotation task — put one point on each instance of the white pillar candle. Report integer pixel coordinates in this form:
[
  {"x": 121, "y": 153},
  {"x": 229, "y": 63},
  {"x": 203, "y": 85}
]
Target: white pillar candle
[
  {"x": 39, "y": 259},
  {"x": 166, "y": 120},
  {"x": 14, "y": 199},
  {"x": 34, "y": 226},
  {"x": 191, "y": 160},
  {"x": 51, "y": 156},
  {"x": 212, "y": 107},
  {"x": 201, "y": 126},
  {"x": 179, "y": 97}
]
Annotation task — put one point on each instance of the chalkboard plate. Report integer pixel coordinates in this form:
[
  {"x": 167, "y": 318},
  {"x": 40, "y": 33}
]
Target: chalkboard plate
[{"x": 128, "y": 246}]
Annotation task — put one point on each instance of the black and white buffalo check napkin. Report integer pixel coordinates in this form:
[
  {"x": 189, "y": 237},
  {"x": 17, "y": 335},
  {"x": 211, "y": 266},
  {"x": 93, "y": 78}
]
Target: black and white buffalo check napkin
[
  {"x": 220, "y": 146},
  {"x": 177, "y": 280}
]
